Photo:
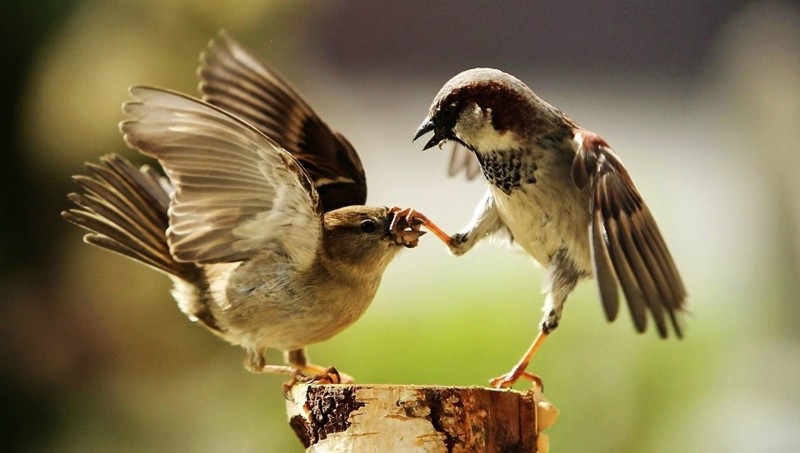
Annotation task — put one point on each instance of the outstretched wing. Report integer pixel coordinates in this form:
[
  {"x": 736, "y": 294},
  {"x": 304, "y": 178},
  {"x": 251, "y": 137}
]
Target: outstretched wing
[
  {"x": 627, "y": 247},
  {"x": 234, "y": 80},
  {"x": 236, "y": 191}
]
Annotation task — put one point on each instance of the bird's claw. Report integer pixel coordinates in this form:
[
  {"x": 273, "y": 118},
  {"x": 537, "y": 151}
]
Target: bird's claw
[
  {"x": 405, "y": 227},
  {"x": 507, "y": 380},
  {"x": 410, "y": 218},
  {"x": 406, "y": 218},
  {"x": 329, "y": 375},
  {"x": 503, "y": 382}
]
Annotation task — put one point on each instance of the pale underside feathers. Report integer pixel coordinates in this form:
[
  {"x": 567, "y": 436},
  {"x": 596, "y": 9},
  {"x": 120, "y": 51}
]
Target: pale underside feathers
[
  {"x": 239, "y": 83},
  {"x": 236, "y": 191},
  {"x": 627, "y": 247}
]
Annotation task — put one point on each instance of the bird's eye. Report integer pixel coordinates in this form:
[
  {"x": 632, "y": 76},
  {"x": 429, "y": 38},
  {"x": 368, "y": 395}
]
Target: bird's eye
[{"x": 368, "y": 226}]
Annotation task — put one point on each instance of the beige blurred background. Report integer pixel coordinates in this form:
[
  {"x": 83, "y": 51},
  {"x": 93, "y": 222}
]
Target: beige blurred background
[{"x": 701, "y": 100}]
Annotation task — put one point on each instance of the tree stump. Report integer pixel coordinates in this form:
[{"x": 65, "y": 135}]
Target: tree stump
[{"x": 388, "y": 418}]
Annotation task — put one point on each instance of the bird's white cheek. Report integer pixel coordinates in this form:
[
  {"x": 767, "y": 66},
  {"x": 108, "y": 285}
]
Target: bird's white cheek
[
  {"x": 491, "y": 140},
  {"x": 474, "y": 127}
]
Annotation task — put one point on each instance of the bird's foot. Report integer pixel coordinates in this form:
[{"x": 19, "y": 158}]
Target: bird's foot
[
  {"x": 405, "y": 227},
  {"x": 459, "y": 243},
  {"x": 507, "y": 380},
  {"x": 298, "y": 371},
  {"x": 316, "y": 375},
  {"x": 414, "y": 220}
]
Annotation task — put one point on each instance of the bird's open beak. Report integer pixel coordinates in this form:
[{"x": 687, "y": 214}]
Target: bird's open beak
[
  {"x": 426, "y": 127},
  {"x": 408, "y": 238}
]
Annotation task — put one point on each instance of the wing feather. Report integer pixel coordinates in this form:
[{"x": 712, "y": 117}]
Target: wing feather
[
  {"x": 627, "y": 247},
  {"x": 236, "y": 81},
  {"x": 236, "y": 191},
  {"x": 604, "y": 271},
  {"x": 463, "y": 160}
]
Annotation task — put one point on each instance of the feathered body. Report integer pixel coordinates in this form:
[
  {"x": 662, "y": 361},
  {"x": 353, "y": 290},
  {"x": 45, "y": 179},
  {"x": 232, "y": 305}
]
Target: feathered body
[
  {"x": 561, "y": 193},
  {"x": 260, "y": 222}
]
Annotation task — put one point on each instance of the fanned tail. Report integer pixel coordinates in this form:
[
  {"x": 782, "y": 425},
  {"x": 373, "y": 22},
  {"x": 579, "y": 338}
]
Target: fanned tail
[{"x": 125, "y": 210}]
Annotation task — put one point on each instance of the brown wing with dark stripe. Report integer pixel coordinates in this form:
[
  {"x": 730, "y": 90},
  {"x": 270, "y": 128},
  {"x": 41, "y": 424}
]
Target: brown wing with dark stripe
[
  {"x": 627, "y": 247},
  {"x": 239, "y": 83}
]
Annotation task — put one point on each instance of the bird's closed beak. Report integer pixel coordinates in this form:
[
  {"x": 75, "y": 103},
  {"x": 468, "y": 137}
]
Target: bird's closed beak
[{"x": 423, "y": 129}]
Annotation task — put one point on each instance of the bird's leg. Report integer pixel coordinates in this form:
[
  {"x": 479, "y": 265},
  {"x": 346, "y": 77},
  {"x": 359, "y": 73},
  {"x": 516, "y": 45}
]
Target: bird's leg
[
  {"x": 273, "y": 369},
  {"x": 485, "y": 221},
  {"x": 255, "y": 363},
  {"x": 561, "y": 280},
  {"x": 299, "y": 370},
  {"x": 519, "y": 370},
  {"x": 549, "y": 323}
]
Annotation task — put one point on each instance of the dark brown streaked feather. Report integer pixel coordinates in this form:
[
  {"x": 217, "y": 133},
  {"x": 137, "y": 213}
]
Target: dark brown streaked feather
[
  {"x": 627, "y": 247},
  {"x": 236, "y": 81},
  {"x": 604, "y": 271}
]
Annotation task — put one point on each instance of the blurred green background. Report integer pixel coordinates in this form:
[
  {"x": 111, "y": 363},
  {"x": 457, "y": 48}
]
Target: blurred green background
[{"x": 701, "y": 100}]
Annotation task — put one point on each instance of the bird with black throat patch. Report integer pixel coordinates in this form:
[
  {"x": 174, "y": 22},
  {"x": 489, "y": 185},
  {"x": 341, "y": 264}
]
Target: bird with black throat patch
[{"x": 560, "y": 193}]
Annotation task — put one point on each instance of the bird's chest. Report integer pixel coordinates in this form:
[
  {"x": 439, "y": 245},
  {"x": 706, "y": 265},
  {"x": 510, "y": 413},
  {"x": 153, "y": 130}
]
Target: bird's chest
[
  {"x": 271, "y": 304},
  {"x": 542, "y": 207},
  {"x": 508, "y": 170}
]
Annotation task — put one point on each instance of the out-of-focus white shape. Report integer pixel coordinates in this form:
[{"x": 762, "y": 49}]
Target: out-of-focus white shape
[{"x": 758, "y": 75}]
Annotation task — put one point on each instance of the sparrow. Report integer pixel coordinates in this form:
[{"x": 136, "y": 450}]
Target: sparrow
[
  {"x": 260, "y": 222},
  {"x": 560, "y": 193}
]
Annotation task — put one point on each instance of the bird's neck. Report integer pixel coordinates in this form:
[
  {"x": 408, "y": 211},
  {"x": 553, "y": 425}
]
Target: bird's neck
[{"x": 361, "y": 273}]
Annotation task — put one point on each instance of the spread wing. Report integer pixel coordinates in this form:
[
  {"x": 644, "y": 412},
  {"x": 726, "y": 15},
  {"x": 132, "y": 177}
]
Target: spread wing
[
  {"x": 236, "y": 191},
  {"x": 234, "y": 80},
  {"x": 462, "y": 159},
  {"x": 627, "y": 247}
]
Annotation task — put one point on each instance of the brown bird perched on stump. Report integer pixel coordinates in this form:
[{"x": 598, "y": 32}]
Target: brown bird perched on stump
[
  {"x": 559, "y": 192},
  {"x": 260, "y": 223}
]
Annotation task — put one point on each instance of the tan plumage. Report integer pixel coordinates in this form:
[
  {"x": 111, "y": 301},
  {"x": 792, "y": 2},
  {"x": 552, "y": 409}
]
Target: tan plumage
[
  {"x": 239, "y": 225},
  {"x": 236, "y": 192}
]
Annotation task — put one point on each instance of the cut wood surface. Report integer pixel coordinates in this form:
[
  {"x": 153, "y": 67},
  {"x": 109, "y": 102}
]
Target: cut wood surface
[{"x": 389, "y": 418}]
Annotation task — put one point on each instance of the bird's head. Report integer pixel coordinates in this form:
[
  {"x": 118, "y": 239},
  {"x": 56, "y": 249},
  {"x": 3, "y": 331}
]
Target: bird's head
[
  {"x": 485, "y": 110},
  {"x": 365, "y": 236}
]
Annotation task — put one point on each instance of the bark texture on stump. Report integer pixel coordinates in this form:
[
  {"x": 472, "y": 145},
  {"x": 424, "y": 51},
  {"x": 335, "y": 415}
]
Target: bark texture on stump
[{"x": 388, "y": 418}]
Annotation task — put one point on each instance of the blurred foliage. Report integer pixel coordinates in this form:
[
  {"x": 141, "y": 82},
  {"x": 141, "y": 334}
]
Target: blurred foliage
[{"x": 700, "y": 99}]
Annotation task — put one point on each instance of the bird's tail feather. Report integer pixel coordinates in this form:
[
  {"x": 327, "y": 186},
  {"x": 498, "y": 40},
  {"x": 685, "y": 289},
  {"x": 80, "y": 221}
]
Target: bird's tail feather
[{"x": 125, "y": 210}]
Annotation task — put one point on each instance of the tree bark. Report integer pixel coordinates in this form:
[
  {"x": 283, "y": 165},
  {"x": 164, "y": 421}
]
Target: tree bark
[{"x": 389, "y": 418}]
